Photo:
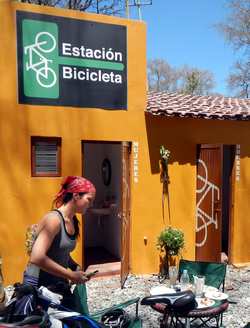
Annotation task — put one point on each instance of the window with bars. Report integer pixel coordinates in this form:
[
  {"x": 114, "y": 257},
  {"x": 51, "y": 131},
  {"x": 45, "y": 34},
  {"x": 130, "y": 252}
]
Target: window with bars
[{"x": 45, "y": 157}]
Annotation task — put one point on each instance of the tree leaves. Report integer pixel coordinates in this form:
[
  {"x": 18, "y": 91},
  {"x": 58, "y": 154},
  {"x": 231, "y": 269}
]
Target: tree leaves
[
  {"x": 236, "y": 30},
  {"x": 239, "y": 79},
  {"x": 106, "y": 7},
  {"x": 189, "y": 80}
]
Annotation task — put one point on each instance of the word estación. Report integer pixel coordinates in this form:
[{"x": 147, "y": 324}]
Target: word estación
[
  {"x": 74, "y": 73},
  {"x": 104, "y": 54}
]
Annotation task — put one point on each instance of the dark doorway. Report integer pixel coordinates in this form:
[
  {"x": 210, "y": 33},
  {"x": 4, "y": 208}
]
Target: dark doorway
[{"x": 228, "y": 163}]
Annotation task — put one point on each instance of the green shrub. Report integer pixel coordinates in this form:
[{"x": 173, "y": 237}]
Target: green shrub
[{"x": 171, "y": 240}]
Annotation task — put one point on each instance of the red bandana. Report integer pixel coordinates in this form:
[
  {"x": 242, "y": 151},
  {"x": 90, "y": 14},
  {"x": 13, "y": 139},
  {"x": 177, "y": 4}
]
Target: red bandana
[{"x": 74, "y": 184}]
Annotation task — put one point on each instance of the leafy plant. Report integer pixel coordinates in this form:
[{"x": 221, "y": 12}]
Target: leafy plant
[{"x": 171, "y": 240}]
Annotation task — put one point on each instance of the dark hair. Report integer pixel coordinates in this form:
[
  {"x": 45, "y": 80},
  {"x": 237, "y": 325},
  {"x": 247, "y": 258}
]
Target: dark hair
[{"x": 69, "y": 195}]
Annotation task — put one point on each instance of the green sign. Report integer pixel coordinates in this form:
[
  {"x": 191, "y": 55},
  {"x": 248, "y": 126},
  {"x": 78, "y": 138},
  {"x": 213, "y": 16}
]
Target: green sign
[
  {"x": 70, "y": 62},
  {"x": 40, "y": 59}
]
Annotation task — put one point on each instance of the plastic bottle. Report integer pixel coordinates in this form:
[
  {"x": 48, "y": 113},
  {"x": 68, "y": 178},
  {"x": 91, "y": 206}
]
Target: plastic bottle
[{"x": 184, "y": 280}]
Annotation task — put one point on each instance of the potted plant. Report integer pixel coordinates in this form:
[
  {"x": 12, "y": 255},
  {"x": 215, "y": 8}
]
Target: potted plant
[{"x": 170, "y": 242}]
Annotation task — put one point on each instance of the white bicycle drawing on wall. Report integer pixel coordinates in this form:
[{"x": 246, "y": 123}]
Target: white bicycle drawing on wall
[
  {"x": 44, "y": 43},
  {"x": 203, "y": 219}
]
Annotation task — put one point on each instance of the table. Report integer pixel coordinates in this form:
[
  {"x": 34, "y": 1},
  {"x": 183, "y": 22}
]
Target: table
[{"x": 205, "y": 314}]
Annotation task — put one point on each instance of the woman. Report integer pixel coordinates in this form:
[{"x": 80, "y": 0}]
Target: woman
[{"x": 56, "y": 236}]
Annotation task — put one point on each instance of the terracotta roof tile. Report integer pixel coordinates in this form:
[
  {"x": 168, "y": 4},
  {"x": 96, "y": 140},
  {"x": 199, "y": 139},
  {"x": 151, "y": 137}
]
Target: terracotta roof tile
[{"x": 208, "y": 107}]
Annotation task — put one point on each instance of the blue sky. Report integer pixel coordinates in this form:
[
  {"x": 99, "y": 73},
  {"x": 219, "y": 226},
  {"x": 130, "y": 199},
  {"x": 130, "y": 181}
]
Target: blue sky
[{"x": 183, "y": 32}]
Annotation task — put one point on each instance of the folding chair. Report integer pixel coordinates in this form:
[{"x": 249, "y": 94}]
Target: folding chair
[
  {"x": 80, "y": 293},
  {"x": 77, "y": 317},
  {"x": 215, "y": 274}
]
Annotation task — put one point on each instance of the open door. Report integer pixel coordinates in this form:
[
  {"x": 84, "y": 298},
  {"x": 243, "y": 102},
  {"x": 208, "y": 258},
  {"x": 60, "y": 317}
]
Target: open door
[
  {"x": 125, "y": 212},
  {"x": 106, "y": 226},
  {"x": 209, "y": 203}
]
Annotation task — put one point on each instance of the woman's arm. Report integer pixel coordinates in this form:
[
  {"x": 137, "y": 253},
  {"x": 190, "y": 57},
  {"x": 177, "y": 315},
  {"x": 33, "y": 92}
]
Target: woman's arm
[
  {"x": 73, "y": 265},
  {"x": 47, "y": 230}
]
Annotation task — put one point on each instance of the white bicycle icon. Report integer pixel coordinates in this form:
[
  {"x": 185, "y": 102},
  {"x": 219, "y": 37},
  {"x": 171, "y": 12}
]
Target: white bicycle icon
[
  {"x": 203, "y": 219},
  {"x": 44, "y": 43}
]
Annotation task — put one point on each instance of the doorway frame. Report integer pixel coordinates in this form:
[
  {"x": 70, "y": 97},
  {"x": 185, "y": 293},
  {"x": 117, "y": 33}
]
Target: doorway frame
[
  {"x": 231, "y": 201},
  {"x": 232, "y": 177},
  {"x": 112, "y": 142}
]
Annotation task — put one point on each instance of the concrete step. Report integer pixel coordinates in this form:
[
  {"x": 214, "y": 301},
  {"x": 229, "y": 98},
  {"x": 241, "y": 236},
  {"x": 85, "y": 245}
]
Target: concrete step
[{"x": 105, "y": 269}]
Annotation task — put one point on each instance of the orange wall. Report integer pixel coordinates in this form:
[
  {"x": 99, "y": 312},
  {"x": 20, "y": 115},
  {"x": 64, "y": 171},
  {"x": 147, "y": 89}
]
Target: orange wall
[
  {"x": 181, "y": 137},
  {"x": 26, "y": 199}
]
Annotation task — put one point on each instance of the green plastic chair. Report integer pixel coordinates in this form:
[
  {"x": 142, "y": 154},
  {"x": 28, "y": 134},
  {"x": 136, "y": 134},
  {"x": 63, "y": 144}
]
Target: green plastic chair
[
  {"x": 80, "y": 294},
  {"x": 214, "y": 273}
]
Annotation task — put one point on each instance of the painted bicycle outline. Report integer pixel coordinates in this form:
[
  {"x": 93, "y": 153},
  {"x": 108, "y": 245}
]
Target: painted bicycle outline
[
  {"x": 200, "y": 214},
  {"x": 41, "y": 68}
]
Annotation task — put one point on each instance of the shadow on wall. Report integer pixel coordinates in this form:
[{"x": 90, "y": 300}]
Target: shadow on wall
[
  {"x": 169, "y": 133},
  {"x": 182, "y": 135}
]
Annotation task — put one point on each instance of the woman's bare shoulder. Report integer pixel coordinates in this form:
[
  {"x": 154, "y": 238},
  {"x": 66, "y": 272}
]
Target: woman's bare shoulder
[{"x": 50, "y": 220}]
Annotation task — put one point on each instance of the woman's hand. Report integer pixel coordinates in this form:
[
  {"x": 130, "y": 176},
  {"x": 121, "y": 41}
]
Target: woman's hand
[{"x": 78, "y": 277}]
